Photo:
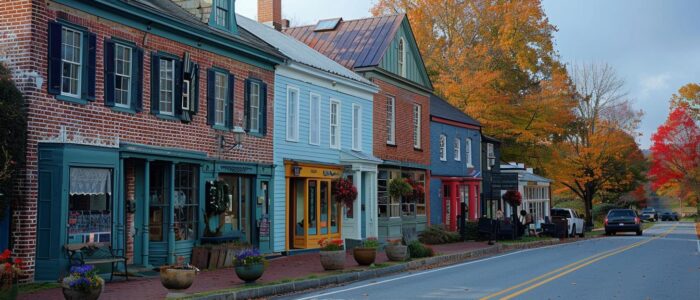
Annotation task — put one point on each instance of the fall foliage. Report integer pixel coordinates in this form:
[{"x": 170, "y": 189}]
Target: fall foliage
[{"x": 688, "y": 97}]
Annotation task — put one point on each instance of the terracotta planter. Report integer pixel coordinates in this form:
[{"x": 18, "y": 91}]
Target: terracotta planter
[
  {"x": 177, "y": 279},
  {"x": 250, "y": 273},
  {"x": 90, "y": 294},
  {"x": 333, "y": 260},
  {"x": 364, "y": 256},
  {"x": 396, "y": 252}
]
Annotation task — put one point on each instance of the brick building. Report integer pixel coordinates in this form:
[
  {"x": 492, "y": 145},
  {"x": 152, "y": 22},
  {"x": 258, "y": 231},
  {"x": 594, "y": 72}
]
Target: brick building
[
  {"x": 133, "y": 107},
  {"x": 383, "y": 50}
]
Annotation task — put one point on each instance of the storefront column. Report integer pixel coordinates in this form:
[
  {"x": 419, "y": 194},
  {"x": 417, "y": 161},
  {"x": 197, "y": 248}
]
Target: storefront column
[
  {"x": 357, "y": 178},
  {"x": 144, "y": 212},
  {"x": 454, "y": 205},
  {"x": 118, "y": 207},
  {"x": 473, "y": 206},
  {"x": 171, "y": 217},
  {"x": 373, "y": 226}
]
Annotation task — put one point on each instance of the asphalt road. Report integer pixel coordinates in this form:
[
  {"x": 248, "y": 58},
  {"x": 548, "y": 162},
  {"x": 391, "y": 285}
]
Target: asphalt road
[{"x": 664, "y": 263}]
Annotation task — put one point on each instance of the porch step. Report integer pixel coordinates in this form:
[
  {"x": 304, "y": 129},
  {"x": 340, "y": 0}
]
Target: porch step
[{"x": 293, "y": 252}]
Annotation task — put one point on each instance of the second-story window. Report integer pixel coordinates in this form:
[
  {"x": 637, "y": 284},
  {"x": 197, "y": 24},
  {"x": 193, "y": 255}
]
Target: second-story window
[
  {"x": 122, "y": 76},
  {"x": 222, "y": 13},
  {"x": 458, "y": 149},
  {"x": 391, "y": 120},
  {"x": 292, "y": 114},
  {"x": 314, "y": 119},
  {"x": 254, "y": 107},
  {"x": 468, "y": 152},
  {"x": 416, "y": 126},
  {"x": 72, "y": 61},
  {"x": 255, "y": 111},
  {"x": 443, "y": 147},
  {"x": 167, "y": 87},
  {"x": 335, "y": 124},
  {"x": 490, "y": 156},
  {"x": 123, "y": 70},
  {"x": 220, "y": 88},
  {"x": 356, "y": 127}
]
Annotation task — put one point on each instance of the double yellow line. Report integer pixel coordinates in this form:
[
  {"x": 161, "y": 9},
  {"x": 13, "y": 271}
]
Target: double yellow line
[{"x": 563, "y": 271}]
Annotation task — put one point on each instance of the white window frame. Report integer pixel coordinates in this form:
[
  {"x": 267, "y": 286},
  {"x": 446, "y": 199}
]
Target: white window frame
[
  {"x": 220, "y": 98},
  {"x": 402, "y": 57},
  {"x": 170, "y": 62},
  {"x": 443, "y": 147},
  {"x": 356, "y": 127},
  {"x": 119, "y": 76},
  {"x": 254, "y": 108},
  {"x": 490, "y": 154},
  {"x": 79, "y": 63},
  {"x": 391, "y": 120},
  {"x": 458, "y": 149},
  {"x": 334, "y": 140},
  {"x": 292, "y": 129},
  {"x": 468, "y": 153},
  {"x": 417, "y": 125},
  {"x": 315, "y": 137}
]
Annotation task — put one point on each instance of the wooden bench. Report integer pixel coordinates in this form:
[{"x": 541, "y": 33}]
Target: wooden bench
[{"x": 95, "y": 253}]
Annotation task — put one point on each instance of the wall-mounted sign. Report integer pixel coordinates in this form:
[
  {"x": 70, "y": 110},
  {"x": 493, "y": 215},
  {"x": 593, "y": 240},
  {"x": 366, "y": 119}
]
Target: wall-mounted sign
[{"x": 503, "y": 182}]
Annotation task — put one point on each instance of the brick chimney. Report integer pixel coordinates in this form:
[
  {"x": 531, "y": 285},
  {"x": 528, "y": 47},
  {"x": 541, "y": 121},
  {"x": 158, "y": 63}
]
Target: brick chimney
[{"x": 270, "y": 13}]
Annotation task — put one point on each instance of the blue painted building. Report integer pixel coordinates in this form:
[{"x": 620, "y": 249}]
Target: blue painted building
[
  {"x": 322, "y": 131},
  {"x": 455, "y": 140}
]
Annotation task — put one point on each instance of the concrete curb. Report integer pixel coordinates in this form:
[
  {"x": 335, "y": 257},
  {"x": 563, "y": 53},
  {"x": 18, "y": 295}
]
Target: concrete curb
[{"x": 309, "y": 284}]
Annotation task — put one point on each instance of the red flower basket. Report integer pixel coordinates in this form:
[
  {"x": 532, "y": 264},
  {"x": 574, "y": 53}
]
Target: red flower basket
[
  {"x": 513, "y": 198},
  {"x": 344, "y": 191}
]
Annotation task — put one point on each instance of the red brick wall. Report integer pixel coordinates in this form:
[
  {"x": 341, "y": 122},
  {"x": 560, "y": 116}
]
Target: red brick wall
[
  {"x": 23, "y": 38},
  {"x": 404, "y": 150}
]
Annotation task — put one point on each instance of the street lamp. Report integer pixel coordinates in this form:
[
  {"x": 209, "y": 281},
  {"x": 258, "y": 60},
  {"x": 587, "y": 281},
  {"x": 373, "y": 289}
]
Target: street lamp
[{"x": 237, "y": 143}]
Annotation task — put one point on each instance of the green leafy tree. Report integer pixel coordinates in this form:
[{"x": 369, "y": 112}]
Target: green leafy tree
[{"x": 13, "y": 127}]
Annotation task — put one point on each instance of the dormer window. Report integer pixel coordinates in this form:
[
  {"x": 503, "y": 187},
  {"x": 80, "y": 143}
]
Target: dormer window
[
  {"x": 222, "y": 13},
  {"x": 223, "y": 16},
  {"x": 402, "y": 57}
]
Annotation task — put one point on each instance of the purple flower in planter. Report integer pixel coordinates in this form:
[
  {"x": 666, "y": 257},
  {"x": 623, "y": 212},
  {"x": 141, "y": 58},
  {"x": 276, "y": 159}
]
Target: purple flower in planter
[{"x": 248, "y": 256}]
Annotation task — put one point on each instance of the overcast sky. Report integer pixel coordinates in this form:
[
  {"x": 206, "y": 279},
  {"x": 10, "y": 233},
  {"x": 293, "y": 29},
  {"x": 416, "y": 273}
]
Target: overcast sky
[{"x": 653, "y": 44}]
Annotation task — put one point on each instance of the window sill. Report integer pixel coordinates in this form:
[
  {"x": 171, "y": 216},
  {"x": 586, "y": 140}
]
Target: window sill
[
  {"x": 417, "y": 149},
  {"x": 220, "y": 128},
  {"x": 256, "y": 134},
  {"x": 167, "y": 117},
  {"x": 123, "y": 110},
  {"x": 72, "y": 99},
  {"x": 393, "y": 145},
  {"x": 470, "y": 166}
]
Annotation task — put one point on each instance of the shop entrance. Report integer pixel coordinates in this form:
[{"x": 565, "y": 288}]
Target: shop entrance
[
  {"x": 237, "y": 219},
  {"x": 315, "y": 215}
]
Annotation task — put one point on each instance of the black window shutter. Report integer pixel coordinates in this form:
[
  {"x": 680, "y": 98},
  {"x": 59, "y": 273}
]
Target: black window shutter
[
  {"x": 263, "y": 108},
  {"x": 109, "y": 72},
  {"x": 211, "y": 101},
  {"x": 55, "y": 33},
  {"x": 178, "y": 89},
  {"x": 91, "y": 66},
  {"x": 231, "y": 95},
  {"x": 137, "y": 80},
  {"x": 246, "y": 105},
  {"x": 155, "y": 83},
  {"x": 195, "y": 90}
]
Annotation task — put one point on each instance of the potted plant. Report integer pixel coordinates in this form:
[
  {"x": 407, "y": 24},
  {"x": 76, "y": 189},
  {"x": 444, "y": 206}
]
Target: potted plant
[
  {"x": 399, "y": 188},
  {"x": 513, "y": 198},
  {"x": 178, "y": 277},
  {"x": 10, "y": 270},
  {"x": 332, "y": 254},
  {"x": 82, "y": 283},
  {"x": 344, "y": 191},
  {"x": 366, "y": 253},
  {"x": 396, "y": 251},
  {"x": 249, "y": 264}
]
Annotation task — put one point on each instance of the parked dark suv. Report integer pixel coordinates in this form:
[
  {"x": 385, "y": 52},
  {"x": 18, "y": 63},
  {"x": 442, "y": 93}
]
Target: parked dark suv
[{"x": 622, "y": 220}]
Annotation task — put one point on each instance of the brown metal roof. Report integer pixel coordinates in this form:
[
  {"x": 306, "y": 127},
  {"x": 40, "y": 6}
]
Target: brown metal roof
[{"x": 354, "y": 43}]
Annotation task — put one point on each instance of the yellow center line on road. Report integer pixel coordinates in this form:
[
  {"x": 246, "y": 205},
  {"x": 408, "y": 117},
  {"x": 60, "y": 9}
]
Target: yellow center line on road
[{"x": 579, "y": 266}]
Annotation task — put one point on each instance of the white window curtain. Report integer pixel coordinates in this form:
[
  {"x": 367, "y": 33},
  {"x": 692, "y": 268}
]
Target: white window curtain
[{"x": 90, "y": 181}]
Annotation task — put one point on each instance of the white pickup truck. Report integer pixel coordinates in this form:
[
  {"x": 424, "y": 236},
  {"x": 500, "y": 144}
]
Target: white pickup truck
[{"x": 576, "y": 223}]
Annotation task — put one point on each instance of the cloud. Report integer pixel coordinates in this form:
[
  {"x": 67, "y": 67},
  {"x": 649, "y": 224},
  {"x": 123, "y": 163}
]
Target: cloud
[{"x": 654, "y": 83}]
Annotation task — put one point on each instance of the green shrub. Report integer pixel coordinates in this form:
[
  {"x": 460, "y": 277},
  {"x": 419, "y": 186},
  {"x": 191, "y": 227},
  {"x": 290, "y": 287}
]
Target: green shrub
[
  {"x": 13, "y": 121},
  {"x": 417, "y": 250},
  {"x": 601, "y": 210},
  {"x": 472, "y": 231},
  {"x": 437, "y": 234}
]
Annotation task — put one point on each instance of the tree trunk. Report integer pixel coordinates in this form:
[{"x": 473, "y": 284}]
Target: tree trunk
[{"x": 588, "y": 202}]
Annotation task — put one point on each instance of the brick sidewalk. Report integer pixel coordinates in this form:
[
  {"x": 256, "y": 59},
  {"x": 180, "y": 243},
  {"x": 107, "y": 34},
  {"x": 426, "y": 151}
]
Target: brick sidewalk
[{"x": 285, "y": 267}]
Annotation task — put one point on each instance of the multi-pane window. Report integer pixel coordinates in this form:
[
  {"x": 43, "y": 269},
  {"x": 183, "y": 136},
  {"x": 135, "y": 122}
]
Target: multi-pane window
[
  {"x": 416, "y": 126},
  {"x": 468, "y": 152},
  {"x": 414, "y": 205},
  {"x": 443, "y": 146},
  {"x": 315, "y": 119},
  {"x": 222, "y": 13},
  {"x": 391, "y": 120},
  {"x": 388, "y": 206},
  {"x": 490, "y": 156},
  {"x": 254, "y": 109},
  {"x": 71, "y": 57},
  {"x": 220, "y": 92},
  {"x": 185, "y": 201},
  {"x": 292, "y": 114},
  {"x": 458, "y": 149},
  {"x": 90, "y": 206},
  {"x": 356, "y": 127},
  {"x": 335, "y": 124},
  {"x": 402, "y": 57},
  {"x": 167, "y": 86},
  {"x": 122, "y": 75}
]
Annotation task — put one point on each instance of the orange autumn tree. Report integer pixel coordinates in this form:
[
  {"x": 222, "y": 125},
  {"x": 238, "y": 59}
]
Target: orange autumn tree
[
  {"x": 688, "y": 97},
  {"x": 675, "y": 169},
  {"x": 496, "y": 61}
]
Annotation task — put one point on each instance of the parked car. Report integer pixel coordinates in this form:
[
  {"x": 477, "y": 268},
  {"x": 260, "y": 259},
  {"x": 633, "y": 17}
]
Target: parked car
[
  {"x": 649, "y": 214},
  {"x": 576, "y": 223},
  {"x": 669, "y": 216},
  {"x": 622, "y": 220}
]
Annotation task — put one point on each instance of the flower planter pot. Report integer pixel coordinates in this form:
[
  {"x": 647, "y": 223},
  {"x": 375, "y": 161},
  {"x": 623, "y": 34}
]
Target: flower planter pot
[
  {"x": 333, "y": 260},
  {"x": 364, "y": 256},
  {"x": 9, "y": 293},
  {"x": 396, "y": 252},
  {"x": 90, "y": 294},
  {"x": 250, "y": 273},
  {"x": 177, "y": 279}
]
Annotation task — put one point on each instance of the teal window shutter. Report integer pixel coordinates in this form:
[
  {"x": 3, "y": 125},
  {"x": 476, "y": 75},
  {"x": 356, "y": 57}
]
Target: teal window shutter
[
  {"x": 231, "y": 95},
  {"x": 89, "y": 84},
  {"x": 109, "y": 73},
  {"x": 178, "y": 90},
  {"x": 137, "y": 81},
  {"x": 211, "y": 99},
  {"x": 195, "y": 92},
  {"x": 246, "y": 105},
  {"x": 54, "y": 81},
  {"x": 155, "y": 83},
  {"x": 263, "y": 109}
]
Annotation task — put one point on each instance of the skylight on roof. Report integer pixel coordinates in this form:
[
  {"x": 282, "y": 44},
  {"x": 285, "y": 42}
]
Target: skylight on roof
[{"x": 329, "y": 24}]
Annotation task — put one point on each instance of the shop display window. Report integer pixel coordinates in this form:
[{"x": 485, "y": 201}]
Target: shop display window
[{"x": 90, "y": 206}]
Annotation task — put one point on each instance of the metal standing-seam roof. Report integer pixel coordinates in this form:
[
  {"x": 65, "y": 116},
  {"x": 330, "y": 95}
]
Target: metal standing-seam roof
[
  {"x": 442, "y": 109},
  {"x": 354, "y": 43},
  {"x": 296, "y": 50}
]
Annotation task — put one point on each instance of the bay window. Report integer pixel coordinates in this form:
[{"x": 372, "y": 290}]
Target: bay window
[{"x": 90, "y": 206}]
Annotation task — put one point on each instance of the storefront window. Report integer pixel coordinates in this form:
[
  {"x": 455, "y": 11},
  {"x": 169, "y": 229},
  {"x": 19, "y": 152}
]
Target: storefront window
[
  {"x": 334, "y": 216},
  {"x": 420, "y": 202},
  {"x": 299, "y": 206},
  {"x": 324, "y": 207},
  {"x": 237, "y": 216},
  {"x": 159, "y": 202},
  {"x": 411, "y": 206},
  {"x": 388, "y": 206},
  {"x": 90, "y": 206},
  {"x": 312, "y": 207},
  {"x": 185, "y": 201}
]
